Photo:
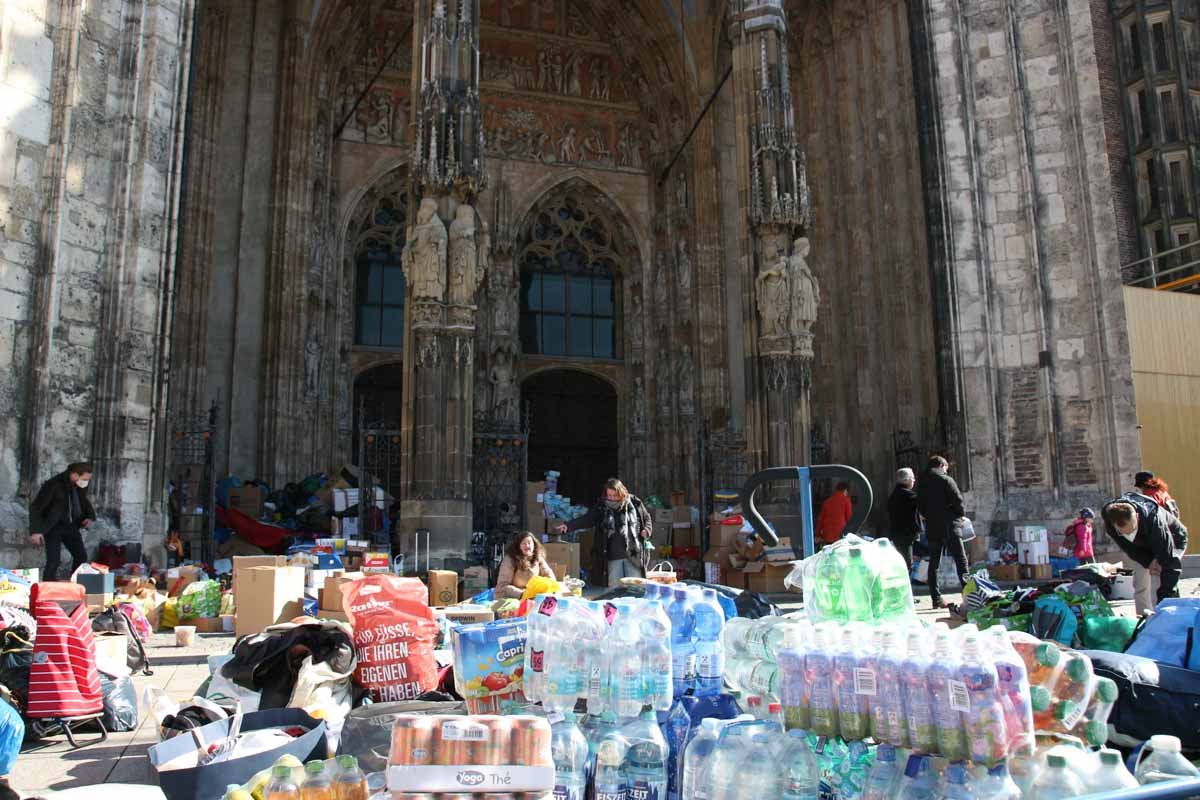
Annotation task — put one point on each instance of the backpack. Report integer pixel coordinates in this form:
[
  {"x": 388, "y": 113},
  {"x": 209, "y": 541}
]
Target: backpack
[
  {"x": 1054, "y": 619},
  {"x": 112, "y": 620}
]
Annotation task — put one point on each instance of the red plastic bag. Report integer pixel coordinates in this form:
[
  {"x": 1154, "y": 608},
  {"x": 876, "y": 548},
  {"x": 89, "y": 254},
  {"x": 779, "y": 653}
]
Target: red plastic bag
[{"x": 394, "y": 634}]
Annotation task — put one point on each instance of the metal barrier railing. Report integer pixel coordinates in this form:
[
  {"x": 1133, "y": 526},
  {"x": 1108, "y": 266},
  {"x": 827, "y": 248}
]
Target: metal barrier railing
[
  {"x": 1182, "y": 789},
  {"x": 1162, "y": 266}
]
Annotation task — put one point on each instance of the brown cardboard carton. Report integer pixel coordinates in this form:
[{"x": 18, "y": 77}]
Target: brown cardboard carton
[
  {"x": 248, "y": 500},
  {"x": 249, "y": 562},
  {"x": 443, "y": 587},
  {"x": 205, "y": 624},
  {"x": 340, "y": 616},
  {"x": 559, "y": 570},
  {"x": 681, "y": 515},
  {"x": 535, "y": 510},
  {"x": 684, "y": 537},
  {"x": 566, "y": 554},
  {"x": 466, "y": 614},
  {"x": 722, "y": 535},
  {"x": 662, "y": 516},
  {"x": 767, "y": 579},
  {"x": 265, "y": 596},
  {"x": 752, "y": 550},
  {"x": 331, "y": 592}
]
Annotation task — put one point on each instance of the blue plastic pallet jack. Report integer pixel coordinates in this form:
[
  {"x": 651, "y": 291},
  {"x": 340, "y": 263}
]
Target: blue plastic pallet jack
[{"x": 860, "y": 487}]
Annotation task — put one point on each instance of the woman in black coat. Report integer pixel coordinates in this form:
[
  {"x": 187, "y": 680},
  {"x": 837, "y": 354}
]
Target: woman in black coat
[{"x": 623, "y": 526}]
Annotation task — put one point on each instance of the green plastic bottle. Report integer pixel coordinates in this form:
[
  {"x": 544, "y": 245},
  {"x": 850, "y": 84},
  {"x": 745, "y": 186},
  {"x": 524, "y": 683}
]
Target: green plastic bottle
[{"x": 857, "y": 584}]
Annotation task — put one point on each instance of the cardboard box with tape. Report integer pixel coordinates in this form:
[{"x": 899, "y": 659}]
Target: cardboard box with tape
[{"x": 443, "y": 587}]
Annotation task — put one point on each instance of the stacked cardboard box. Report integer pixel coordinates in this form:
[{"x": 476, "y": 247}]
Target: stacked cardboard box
[
  {"x": 266, "y": 595},
  {"x": 566, "y": 556},
  {"x": 443, "y": 587},
  {"x": 1033, "y": 552},
  {"x": 247, "y": 500}
]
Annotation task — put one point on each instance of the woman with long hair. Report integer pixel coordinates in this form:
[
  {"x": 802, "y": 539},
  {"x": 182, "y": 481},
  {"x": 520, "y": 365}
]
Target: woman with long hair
[
  {"x": 524, "y": 559},
  {"x": 623, "y": 528}
]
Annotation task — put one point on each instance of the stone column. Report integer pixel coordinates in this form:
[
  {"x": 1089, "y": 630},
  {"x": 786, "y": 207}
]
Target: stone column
[
  {"x": 445, "y": 260},
  {"x": 774, "y": 188}
]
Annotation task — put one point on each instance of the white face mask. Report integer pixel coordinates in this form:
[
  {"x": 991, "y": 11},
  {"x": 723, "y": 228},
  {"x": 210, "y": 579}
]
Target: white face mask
[
  {"x": 1129, "y": 536},
  {"x": 82, "y": 484}
]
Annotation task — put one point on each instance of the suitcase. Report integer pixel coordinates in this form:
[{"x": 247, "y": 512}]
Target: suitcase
[{"x": 1154, "y": 697}]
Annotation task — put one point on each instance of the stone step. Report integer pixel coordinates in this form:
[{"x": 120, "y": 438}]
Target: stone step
[{"x": 1191, "y": 566}]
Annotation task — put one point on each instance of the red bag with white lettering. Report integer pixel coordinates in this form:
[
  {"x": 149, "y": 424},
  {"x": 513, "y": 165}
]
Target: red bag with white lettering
[{"x": 394, "y": 634}]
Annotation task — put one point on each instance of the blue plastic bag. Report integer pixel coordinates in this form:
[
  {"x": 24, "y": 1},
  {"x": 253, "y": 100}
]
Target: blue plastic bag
[
  {"x": 484, "y": 598},
  {"x": 12, "y": 733},
  {"x": 1166, "y": 636}
]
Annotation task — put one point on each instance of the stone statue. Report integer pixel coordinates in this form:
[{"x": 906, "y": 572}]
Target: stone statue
[
  {"x": 635, "y": 323},
  {"x": 806, "y": 294},
  {"x": 681, "y": 190},
  {"x": 485, "y": 257},
  {"x": 684, "y": 264},
  {"x": 662, "y": 384},
  {"x": 685, "y": 373},
  {"x": 427, "y": 254},
  {"x": 662, "y": 281},
  {"x": 639, "y": 405},
  {"x": 312, "y": 364},
  {"x": 463, "y": 260},
  {"x": 773, "y": 299},
  {"x": 504, "y": 388},
  {"x": 566, "y": 147}
]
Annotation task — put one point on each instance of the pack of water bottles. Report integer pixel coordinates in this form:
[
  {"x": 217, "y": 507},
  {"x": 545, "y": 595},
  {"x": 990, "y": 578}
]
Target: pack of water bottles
[
  {"x": 1066, "y": 695},
  {"x": 855, "y": 580}
]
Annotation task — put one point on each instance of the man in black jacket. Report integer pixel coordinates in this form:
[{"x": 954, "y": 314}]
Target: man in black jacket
[
  {"x": 904, "y": 523},
  {"x": 941, "y": 503},
  {"x": 59, "y": 513},
  {"x": 1151, "y": 536}
]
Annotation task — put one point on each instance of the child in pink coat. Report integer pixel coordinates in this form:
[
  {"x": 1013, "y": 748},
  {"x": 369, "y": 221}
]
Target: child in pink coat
[{"x": 1081, "y": 532}]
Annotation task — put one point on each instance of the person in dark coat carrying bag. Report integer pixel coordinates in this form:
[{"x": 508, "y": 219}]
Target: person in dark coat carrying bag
[
  {"x": 59, "y": 515},
  {"x": 623, "y": 528},
  {"x": 941, "y": 504},
  {"x": 1151, "y": 536}
]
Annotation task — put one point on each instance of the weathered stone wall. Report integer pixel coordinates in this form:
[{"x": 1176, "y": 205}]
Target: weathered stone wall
[
  {"x": 93, "y": 110},
  {"x": 1038, "y": 324}
]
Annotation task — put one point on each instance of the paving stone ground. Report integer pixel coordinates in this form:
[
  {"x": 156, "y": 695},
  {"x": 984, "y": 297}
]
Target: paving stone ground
[{"x": 45, "y": 767}]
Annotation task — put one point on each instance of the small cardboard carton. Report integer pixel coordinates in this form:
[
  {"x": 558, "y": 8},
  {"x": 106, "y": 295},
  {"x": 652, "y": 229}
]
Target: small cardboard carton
[
  {"x": 466, "y": 614},
  {"x": 565, "y": 554},
  {"x": 249, "y": 562},
  {"x": 766, "y": 578},
  {"x": 111, "y": 647},
  {"x": 331, "y": 592},
  {"x": 443, "y": 587},
  {"x": 247, "y": 500},
  {"x": 265, "y": 596},
  {"x": 684, "y": 536}
]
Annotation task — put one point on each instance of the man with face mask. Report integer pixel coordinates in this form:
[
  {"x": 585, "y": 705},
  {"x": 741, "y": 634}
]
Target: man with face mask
[
  {"x": 58, "y": 516},
  {"x": 1153, "y": 538},
  {"x": 623, "y": 526}
]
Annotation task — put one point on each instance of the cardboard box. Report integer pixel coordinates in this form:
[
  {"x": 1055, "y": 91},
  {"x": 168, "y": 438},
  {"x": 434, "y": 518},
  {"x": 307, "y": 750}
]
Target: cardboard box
[
  {"x": 325, "y": 613},
  {"x": 781, "y": 552},
  {"x": 723, "y": 535},
  {"x": 559, "y": 570},
  {"x": 662, "y": 516},
  {"x": 443, "y": 587},
  {"x": 206, "y": 624},
  {"x": 466, "y": 614},
  {"x": 766, "y": 578},
  {"x": 535, "y": 509},
  {"x": 247, "y": 500},
  {"x": 92, "y": 583},
  {"x": 1005, "y": 572},
  {"x": 684, "y": 537},
  {"x": 752, "y": 550},
  {"x": 681, "y": 515},
  {"x": 475, "y": 581},
  {"x": 111, "y": 647},
  {"x": 331, "y": 592},
  {"x": 250, "y": 562},
  {"x": 566, "y": 554},
  {"x": 98, "y": 602},
  {"x": 265, "y": 596}
]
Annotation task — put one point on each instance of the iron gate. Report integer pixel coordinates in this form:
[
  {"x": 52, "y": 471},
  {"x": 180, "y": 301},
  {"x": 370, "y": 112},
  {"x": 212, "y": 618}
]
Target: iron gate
[
  {"x": 499, "y": 470},
  {"x": 194, "y": 481}
]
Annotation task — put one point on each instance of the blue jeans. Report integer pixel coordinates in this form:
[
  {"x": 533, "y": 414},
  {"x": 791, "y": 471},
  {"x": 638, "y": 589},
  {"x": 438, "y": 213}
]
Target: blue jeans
[{"x": 622, "y": 568}]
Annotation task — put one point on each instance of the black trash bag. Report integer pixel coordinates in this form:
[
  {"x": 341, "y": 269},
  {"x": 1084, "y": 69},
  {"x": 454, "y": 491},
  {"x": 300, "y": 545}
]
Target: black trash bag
[
  {"x": 367, "y": 732},
  {"x": 269, "y": 662},
  {"x": 16, "y": 656},
  {"x": 113, "y": 620},
  {"x": 120, "y": 703},
  {"x": 753, "y": 605}
]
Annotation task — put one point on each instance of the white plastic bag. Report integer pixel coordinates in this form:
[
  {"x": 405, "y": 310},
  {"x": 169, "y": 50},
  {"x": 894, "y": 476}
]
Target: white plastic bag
[
  {"x": 324, "y": 694},
  {"x": 225, "y": 692}
]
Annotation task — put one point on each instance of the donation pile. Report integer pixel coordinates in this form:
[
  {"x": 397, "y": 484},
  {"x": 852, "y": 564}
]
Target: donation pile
[{"x": 855, "y": 580}]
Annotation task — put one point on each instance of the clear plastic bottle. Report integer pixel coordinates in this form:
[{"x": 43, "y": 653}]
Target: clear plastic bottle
[
  {"x": 775, "y": 714},
  {"x": 891, "y": 689},
  {"x": 695, "y": 755},
  {"x": 734, "y": 636},
  {"x": 610, "y": 781},
  {"x": 830, "y": 574},
  {"x": 536, "y": 643},
  {"x": 998, "y": 785},
  {"x": 596, "y": 657},
  {"x": 1014, "y": 689},
  {"x": 710, "y": 649},
  {"x": 984, "y": 720},
  {"x": 1165, "y": 761},
  {"x": 627, "y": 673},
  {"x": 801, "y": 775},
  {"x": 754, "y": 706},
  {"x": 949, "y": 698},
  {"x": 723, "y": 774},
  {"x": 766, "y": 637},
  {"x": 891, "y": 596},
  {"x": 235, "y": 792},
  {"x": 683, "y": 644},
  {"x": 281, "y": 787},
  {"x": 1074, "y": 687},
  {"x": 350, "y": 782},
  {"x": 884, "y": 775},
  {"x": 918, "y": 701},
  {"x": 818, "y": 672},
  {"x": 854, "y": 718},
  {"x": 919, "y": 781},
  {"x": 866, "y": 678},
  {"x": 657, "y": 666},
  {"x": 318, "y": 782},
  {"x": 956, "y": 783},
  {"x": 1104, "y": 697},
  {"x": 1043, "y": 660},
  {"x": 1112, "y": 774},
  {"x": 761, "y": 776},
  {"x": 857, "y": 588},
  {"x": 565, "y": 669},
  {"x": 1056, "y": 781},
  {"x": 646, "y": 759},
  {"x": 569, "y": 748},
  {"x": 793, "y": 687}
]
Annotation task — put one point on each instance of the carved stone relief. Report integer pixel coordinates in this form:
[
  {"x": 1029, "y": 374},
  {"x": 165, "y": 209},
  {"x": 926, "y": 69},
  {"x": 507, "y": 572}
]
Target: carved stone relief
[
  {"x": 663, "y": 385},
  {"x": 639, "y": 405},
  {"x": 425, "y": 267},
  {"x": 463, "y": 257},
  {"x": 685, "y": 379}
]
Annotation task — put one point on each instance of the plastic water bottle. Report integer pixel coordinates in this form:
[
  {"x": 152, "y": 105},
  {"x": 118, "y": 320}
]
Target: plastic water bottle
[
  {"x": 891, "y": 595},
  {"x": 1056, "y": 781},
  {"x": 1043, "y": 660},
  {"x": 950, "y": 698},
  {"x": 628, "y": 676},
  {"x": 857, "y": 587},
  {"x": 829, "y": 579},
  {"x": 984, "y": 720},
  {"x": 281, "y": 786},
  {"x": 919, "y": 781},
  {"x": 854, "y": 718},
  {"x": 710, "y": 649},
  {"x": 657, "y": 667},
  {"x": 566, "y": 672},
  {"x": 882, "y": 779},
  {"x": 1111, "y": 775},
  {"x": 997, "y": 785},
  {"x": 727, "y": 762},
  {"x": 760, "y": 773},
  {"x": 1014, "y": 690},
  {"x": 610, "y": 781},
  {"x": 753, "y": 677},
  {"x": 894, "y": 728},
  {"x": 595, "y": 655},
  {"x": 766, "y": 637},
  {"x": 793, "y": 686},
  {"x": 1165, "y": 762},
  {"x": 822, "y": 700},
  {"x": 918, "y": 700},
  {"x": 866, "y": 675},
  {"x": 955, "y": 784},
  {"x": 570, "y": 751},
  {"x": 536, "y": 645},
  {"x": 801, "y": 775},
  {"x": 683, "y": 646},
  {"x": 1104, "y": 697},
  {"x": 695, "y": 755},
  {"x": 646, "y": 759}
]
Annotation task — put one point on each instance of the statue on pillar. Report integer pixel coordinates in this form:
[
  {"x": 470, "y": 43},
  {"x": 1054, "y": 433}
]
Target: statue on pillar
[
  {"x": 426, "y": 260},
  {"x": 806, "y": 293},
  {"x": 774, "y": 302},
  {"x": 463, "y": 260}
]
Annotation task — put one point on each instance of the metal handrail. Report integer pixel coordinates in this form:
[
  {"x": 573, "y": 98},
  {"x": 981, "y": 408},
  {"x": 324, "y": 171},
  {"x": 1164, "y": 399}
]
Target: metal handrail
[
  {"x": 1167, "y": 790},
  {"x": 1155, "y": 274}
]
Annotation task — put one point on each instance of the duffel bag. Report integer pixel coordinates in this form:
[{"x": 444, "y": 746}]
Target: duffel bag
[{"x": 1154, "y": 697}]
